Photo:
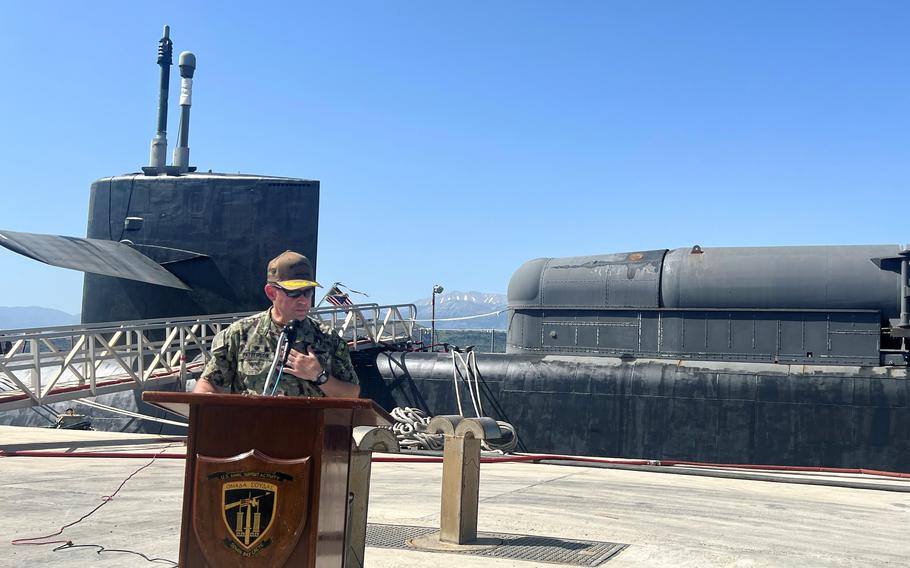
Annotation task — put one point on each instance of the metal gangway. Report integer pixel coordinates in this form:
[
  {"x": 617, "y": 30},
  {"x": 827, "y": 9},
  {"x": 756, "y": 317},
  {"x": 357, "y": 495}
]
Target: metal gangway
[{"x": 44, "y": 365}]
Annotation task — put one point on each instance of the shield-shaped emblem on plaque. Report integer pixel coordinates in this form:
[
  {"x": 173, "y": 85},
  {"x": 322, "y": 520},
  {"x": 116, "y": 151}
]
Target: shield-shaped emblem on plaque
[{"x": 250, "y": 506}]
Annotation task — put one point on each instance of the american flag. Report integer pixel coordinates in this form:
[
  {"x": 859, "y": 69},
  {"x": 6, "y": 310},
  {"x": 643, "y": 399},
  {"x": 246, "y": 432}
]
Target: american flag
[{"x": 338, "y": 298}]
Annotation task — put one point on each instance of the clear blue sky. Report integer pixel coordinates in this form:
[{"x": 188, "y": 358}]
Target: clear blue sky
[{"x": 456, "y": 140}]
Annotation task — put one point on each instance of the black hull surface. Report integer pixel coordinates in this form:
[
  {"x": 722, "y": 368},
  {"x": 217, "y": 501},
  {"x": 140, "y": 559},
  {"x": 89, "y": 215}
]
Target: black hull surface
[{"x": 719, "y": 412}]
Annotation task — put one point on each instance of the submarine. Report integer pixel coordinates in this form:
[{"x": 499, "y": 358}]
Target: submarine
[
  {"x": 793, "y": 355},
  {"x": 773, "y": 355}
]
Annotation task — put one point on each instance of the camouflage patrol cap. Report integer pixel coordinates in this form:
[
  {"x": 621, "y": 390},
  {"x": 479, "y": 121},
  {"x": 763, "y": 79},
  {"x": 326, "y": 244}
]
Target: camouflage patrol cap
[{"x": 291, "y": 271}]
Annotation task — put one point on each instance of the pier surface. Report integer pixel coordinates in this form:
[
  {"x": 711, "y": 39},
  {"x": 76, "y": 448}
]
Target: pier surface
[{"x": 659, "y": 519}]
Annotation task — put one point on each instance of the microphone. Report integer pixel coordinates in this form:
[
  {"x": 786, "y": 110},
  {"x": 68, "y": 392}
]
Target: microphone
[
  {"x": 290, "y": 331},
  {"x": 290, "y": 334}
]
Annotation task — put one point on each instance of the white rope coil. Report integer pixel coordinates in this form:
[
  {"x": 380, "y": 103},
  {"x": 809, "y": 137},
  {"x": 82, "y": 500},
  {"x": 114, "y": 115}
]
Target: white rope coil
[
  {"x": 504, "y": 445},
  {"x": 410, "y": 429},
  {"x": 410, "y": 426}
]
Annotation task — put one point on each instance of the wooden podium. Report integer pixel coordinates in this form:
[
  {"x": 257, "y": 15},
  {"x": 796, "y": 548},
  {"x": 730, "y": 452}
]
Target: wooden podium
[{"x": 266, "y": 481}]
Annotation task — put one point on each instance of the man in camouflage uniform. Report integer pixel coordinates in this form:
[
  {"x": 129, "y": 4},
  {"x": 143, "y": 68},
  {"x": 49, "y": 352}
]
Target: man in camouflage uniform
[{"x": 319, "y": 363}]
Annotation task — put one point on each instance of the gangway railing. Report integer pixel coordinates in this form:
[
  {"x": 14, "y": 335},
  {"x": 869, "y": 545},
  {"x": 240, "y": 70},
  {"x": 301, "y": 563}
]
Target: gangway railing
[{"x": 40, "y": 366}]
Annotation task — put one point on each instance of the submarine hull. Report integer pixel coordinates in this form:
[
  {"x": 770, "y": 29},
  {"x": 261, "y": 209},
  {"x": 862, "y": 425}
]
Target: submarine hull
[{"x": 713, "y": 412}]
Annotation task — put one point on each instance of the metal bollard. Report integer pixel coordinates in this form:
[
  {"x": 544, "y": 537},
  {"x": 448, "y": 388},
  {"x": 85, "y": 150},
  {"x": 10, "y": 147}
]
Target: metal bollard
[
  {"x": 461, "y": 474},
  {"x": 367, "y": 439}
]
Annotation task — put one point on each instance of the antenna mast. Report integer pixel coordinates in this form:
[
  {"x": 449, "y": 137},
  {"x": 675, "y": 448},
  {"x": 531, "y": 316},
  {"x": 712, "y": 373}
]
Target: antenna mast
[
  {"x": 182, "y": 151},
  {"x": 158, "y": 154}
]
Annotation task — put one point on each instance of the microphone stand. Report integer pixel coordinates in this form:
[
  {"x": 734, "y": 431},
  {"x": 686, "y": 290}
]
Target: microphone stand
[{"x": 282, "y": 351}]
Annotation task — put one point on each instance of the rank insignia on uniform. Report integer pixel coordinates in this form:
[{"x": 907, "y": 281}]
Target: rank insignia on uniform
[{"x": 251, "y": 506}]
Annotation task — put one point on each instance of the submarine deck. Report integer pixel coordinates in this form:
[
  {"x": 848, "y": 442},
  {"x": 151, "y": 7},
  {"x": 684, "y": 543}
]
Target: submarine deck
[{"x": 663, "y": 519}]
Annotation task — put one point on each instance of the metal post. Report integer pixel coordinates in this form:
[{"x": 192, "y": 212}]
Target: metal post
[
  {"x": 140, "y": 347},
  {"x": 366, "y": 440},
  {"x": 182, "y": 380},
  {"x": 437, "y": 289},
  {"x": 36, "y": 368},
  {"x": 356, "y": 328},
  {"x": 92, "y": 369},
  {"x": 461, "y": 474},
  {"x": 460, "y": 489},
  {"x": 492, "y": 341},
  {"x": 905, "y": 317}
]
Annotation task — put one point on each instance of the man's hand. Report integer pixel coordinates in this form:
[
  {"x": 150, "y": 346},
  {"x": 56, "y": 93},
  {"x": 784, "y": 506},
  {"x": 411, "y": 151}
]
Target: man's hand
[{"x": 306, "y": 366}]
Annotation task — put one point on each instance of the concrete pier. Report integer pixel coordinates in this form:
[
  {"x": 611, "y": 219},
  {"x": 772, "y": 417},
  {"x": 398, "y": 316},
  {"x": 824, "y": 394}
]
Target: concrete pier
[{"x": 663, "y": 519}]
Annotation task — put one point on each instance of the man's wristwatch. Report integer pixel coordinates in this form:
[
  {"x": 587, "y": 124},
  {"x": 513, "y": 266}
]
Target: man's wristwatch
[{"x": 321, "y": 379}]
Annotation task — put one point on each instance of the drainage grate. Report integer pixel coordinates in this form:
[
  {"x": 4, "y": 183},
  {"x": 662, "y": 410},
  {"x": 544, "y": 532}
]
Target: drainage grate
[
  {"x": 514, "y": 546},
  {"x": 394, "y": 536}
]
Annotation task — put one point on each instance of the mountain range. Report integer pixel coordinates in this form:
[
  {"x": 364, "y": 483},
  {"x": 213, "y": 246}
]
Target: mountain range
[
  {"x": 456, "y": 304},
  {"x": 34, "y": 316},
  {"x": 454, "y": 310}
]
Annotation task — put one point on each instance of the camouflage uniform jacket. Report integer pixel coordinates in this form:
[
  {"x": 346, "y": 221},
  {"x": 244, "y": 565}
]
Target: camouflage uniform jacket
[{"x": 243, "y": 353}]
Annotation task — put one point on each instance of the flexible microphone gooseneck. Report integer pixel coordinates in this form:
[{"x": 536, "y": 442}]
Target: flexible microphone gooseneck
[
  {"x": 290, "y": 336},
  {"x": 282, "y": 351}
]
